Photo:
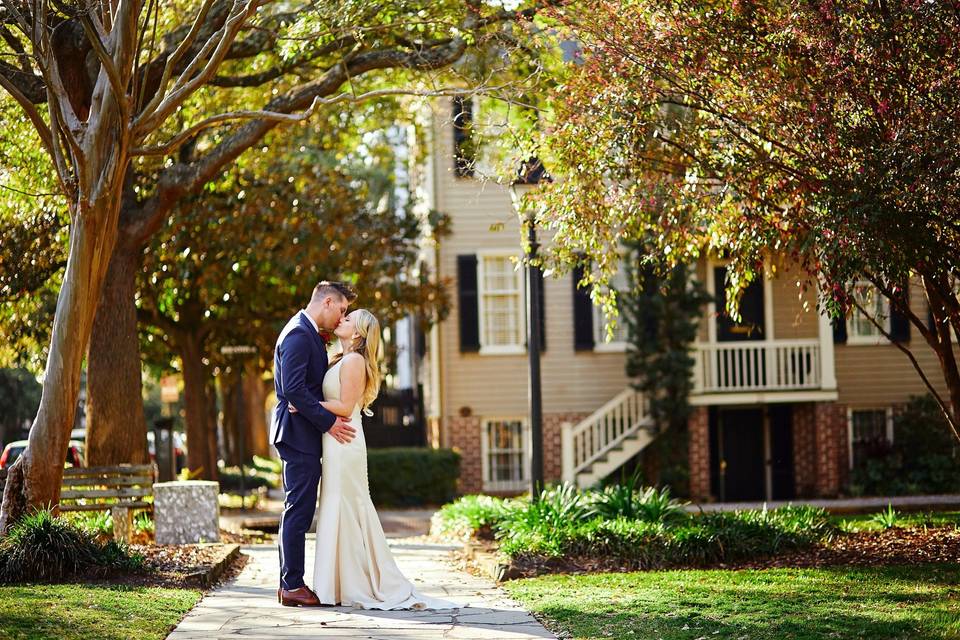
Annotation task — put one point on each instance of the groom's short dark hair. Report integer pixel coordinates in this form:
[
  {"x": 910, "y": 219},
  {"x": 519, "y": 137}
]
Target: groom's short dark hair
[{"x": 332, "y": 288}]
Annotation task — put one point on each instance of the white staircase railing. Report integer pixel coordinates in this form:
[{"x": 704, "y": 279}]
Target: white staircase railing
[{"x": 589, "y": 440}]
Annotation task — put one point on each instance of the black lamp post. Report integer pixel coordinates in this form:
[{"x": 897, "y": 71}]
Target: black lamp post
[{"x": 531, "y": 173}]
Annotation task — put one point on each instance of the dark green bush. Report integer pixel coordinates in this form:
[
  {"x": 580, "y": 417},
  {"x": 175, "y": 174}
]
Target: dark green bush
[
  {"x": 922, "y": 459},
  {"x": 44, "y": 548},
  {"x": 408, "y": 477},
  {"x": 253, "y": 479}
]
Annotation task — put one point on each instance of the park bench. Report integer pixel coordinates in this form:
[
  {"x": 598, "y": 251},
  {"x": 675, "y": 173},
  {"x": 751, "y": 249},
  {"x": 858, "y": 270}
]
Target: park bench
[{"x": 120, "y": 490}]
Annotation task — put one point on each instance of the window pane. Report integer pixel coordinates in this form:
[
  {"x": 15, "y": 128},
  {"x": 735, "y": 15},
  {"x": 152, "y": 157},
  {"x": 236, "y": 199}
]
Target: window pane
[
  {"x": 869, "y": 434},
  {"x": 506, "y": 455}
]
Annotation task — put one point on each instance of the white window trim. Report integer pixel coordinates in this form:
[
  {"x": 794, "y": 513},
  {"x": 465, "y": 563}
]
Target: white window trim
[
  {"x": 504, "y": 486},
  {"x": 600, "y": 345},
  {"x": 500, "y": 349},
  {"x": 858, "y": 340},
  {"x": 850, "y": 411}
]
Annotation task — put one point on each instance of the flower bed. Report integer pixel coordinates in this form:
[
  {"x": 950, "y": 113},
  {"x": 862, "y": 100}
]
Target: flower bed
[{"x": 636, "y": 528}]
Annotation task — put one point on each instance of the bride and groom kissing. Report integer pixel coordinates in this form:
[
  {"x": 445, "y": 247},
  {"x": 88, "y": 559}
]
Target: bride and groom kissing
[{"x": 318, "y": 418}]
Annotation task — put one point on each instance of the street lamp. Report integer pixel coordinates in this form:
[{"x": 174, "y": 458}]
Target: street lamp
[{"x": 530, "y": 174}]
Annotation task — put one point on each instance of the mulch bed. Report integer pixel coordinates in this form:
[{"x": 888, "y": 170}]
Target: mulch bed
[{"x": 916, "y": 545}]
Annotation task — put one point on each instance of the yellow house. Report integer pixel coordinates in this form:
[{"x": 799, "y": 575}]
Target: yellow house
[{"x": 784, "y": 402}]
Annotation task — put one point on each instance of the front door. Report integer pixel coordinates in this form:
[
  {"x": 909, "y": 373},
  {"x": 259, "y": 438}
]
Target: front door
[
  {"x": 751, "y": 325},
  {"x": 740, "y": 455}
]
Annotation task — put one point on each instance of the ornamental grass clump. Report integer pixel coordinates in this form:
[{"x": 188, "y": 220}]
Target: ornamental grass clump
[
  {"x": 44, "y": 548},
  {"x": 474, "y": 515}
]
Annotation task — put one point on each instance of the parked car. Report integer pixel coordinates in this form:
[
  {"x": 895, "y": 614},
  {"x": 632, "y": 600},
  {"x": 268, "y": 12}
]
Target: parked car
[
  {"x": 15, "y": 449},
  {"x": 179, "y": 449}
]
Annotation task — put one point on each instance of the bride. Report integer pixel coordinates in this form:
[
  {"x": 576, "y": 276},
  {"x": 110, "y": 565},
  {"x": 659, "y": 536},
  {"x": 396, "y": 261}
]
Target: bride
[{"x": 354, "y": 565}]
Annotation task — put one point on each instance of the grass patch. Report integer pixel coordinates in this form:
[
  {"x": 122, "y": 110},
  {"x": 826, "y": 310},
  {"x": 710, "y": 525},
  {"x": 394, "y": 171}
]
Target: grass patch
[
  {"x": 777, "y": 604},
  {"x": 867, "y": 521},
  {"x": 89, "y": 612}
]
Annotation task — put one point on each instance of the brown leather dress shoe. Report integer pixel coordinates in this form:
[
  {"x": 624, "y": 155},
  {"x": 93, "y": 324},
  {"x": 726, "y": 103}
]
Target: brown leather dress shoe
[{"x": 302, "y": 597}]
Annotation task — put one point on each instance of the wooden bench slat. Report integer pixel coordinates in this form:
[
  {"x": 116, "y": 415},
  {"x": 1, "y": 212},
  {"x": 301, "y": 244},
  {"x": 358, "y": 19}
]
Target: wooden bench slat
[
  {"x": 105, "y": 506},
  {"x": 106, "y": 493},
  {"x": 110, "y": 482},
  {"x": 120, "y": 470}
]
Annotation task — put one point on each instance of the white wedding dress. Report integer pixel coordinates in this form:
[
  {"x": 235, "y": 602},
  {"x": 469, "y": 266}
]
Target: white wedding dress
[{"x": 353, "y": 564}]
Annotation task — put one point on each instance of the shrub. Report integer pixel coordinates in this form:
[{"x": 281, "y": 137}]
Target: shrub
[
  {"x": 44, "y": 548},
  {"x": 697, "y": 540},
  {"x": 253, "y": 479},
  {"x": 887, "y": 519},
  {"x": 471, "y": 516},
  {"x": 923, "y": 458},
  {"x": 97, "y": 523},
  {"x": 629, "y": 501},
  {"x": 407, "y": 477}
]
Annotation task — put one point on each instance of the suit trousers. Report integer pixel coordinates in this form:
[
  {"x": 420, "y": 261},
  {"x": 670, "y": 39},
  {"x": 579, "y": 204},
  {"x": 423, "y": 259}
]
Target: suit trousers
[{"x": 301, "y": 478}]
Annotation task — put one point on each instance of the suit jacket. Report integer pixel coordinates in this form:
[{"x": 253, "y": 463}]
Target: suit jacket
[{"x": 299, "y": 364}]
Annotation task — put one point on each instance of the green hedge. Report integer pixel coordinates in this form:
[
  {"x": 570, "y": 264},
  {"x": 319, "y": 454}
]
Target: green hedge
[
  {"x": 568, "y": 522},
  {"x": 410, "y": 477}
]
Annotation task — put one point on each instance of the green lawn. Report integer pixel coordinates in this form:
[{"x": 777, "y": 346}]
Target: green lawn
[
  {"x": 83, "y": 612},
  {"x": 841, "y": 602},
  {"x": 863, "y": 522}
]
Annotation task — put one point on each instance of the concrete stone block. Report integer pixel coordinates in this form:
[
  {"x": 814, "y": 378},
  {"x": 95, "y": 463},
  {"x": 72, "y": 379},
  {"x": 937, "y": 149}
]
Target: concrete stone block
[{"x": 186, "y": 512}]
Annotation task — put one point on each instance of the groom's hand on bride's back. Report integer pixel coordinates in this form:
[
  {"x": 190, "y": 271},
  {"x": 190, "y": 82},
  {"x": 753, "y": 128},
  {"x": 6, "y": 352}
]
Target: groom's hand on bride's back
[{"x": 342, "y": 432}]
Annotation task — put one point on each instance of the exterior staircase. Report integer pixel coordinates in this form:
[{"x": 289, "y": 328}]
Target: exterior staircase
[{"x": 601, "y": 443}]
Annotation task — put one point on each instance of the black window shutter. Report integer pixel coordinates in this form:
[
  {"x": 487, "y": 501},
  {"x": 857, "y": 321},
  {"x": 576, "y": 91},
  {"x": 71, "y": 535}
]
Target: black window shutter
[
  {"x": 468, "y": 298},
  {"x": 839, "y": 330},
  {"x": 582, "y": 314},
  {"x": 899, "y": 322},
  {"x": 463, "y": 157}
]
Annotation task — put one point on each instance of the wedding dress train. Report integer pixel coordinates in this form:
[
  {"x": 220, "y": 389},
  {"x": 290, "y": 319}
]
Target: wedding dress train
[{"x": 354, "y": 565}]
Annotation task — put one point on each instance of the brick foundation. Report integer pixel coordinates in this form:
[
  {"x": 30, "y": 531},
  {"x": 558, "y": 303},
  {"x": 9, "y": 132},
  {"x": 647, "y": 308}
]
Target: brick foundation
[
  {"x": 465, "y": 437},
  {"x": 698, "y": 426},
  {"x": 831, "y": 445},
  {"x": 819, "y": 451}
]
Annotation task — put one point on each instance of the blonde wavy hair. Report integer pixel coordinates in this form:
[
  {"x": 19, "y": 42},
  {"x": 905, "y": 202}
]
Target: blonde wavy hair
[{"x": 368, "y": 344}]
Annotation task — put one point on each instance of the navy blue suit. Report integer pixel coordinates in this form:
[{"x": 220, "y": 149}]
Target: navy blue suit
[{"x": 299, "y": 364}]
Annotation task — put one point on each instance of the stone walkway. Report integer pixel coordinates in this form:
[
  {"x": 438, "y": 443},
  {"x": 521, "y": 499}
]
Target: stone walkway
[{"x": 247, "y": 606}]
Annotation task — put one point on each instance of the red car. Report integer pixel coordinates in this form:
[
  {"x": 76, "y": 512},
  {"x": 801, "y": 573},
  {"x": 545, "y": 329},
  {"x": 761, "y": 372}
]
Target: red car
[{"x": 13, "y": 451}]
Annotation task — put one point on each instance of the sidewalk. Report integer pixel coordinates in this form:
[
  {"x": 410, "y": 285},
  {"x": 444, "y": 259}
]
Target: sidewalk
[{"x": 247, "y": 606}]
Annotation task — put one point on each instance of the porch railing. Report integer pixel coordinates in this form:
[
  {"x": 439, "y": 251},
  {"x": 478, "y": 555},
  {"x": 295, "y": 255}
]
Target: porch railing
[{"x": 757, "y": 366}]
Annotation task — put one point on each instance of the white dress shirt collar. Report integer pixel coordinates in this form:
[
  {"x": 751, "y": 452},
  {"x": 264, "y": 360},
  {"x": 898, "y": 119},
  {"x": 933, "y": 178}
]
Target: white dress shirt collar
[{"x": 312, "y": 321}]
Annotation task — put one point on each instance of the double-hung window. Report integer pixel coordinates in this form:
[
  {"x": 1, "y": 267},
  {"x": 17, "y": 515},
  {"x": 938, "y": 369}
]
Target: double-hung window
[
  {"x": 871, "y": 432},
  {"x": 860, "y": 329},
  {"x": 501, "y": 305},
  {"x": 618, "y": 341},
  {"x": 505, "y": 455}
]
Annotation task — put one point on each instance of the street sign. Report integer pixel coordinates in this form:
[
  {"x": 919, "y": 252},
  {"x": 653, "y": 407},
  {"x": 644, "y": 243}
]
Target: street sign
[
  {"x": 169, "y": 389},
  {"x": 238, "y": 349}
]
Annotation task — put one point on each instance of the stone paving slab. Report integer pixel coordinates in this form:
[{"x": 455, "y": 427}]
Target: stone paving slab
[{"x": 247, "y": 608}]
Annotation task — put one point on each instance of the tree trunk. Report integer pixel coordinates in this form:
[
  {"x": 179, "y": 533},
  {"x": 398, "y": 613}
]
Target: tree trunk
[
  {"x": 255, "y": 394},
  {"x": 231, "y": 415},
  {"x": 34, "y": 481},
  {"x": 116, "y": 427},
  {"x": 196, "y": 412},
  {"x": 213, "y": 452}
]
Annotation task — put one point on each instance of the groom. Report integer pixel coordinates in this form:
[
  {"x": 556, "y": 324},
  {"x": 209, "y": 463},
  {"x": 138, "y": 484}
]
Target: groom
[{"x": 300, "y": 362}]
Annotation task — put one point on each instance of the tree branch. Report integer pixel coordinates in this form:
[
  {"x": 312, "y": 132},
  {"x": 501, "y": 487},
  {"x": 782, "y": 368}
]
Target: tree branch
[{"x": 944, "y": 407}]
